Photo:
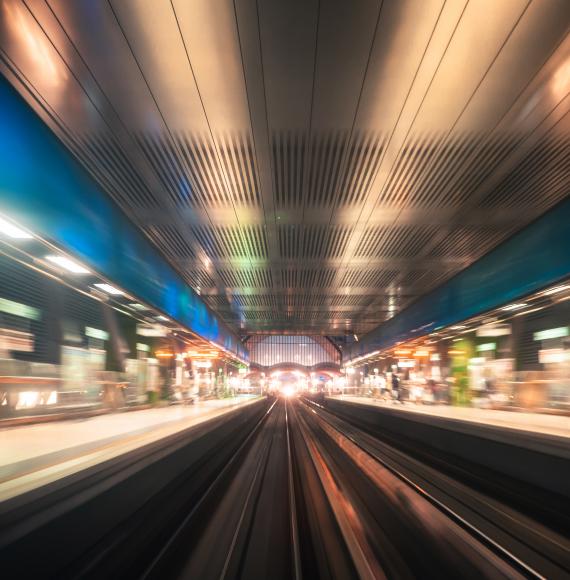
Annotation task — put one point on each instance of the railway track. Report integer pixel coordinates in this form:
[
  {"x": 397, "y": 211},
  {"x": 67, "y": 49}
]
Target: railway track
[
  {"x": 300, "y": 492},
  {"x": 313, "y": 496}
]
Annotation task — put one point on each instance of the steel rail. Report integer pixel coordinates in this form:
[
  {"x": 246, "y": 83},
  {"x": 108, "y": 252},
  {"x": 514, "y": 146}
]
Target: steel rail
[
  {"x": 484, "y": 538},
  {"x": 180, "y": 528},
  {"x": 293, "y": 506}
]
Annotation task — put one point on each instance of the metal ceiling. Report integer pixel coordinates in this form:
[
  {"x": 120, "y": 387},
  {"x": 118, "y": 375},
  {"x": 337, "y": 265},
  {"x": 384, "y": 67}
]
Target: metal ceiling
[{"x": 308, "y": 166}]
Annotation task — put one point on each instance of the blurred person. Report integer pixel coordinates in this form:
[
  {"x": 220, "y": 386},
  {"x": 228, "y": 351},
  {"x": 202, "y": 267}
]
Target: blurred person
[
  {"x": 382, "y": 384},
  {"x": 396, "y": 388}
]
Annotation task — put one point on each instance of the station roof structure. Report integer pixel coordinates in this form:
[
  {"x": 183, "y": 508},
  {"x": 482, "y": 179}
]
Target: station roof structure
[{"x": 307, "y": 167}]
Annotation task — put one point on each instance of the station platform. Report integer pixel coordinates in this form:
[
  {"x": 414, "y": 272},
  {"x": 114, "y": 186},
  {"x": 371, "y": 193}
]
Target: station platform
[
  {"x": 35, "y": 455},
  {"x": 556, "y": 425}
]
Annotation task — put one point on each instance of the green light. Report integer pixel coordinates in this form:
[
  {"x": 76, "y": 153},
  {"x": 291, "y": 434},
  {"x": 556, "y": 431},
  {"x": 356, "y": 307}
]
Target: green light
[
  {"x": 486, "y": 346},
  {"x": 143, "y": 347},
  {"x": 17, "y": 309},
  {"x": 559, "y": 332},
  {"x": 96, "y": 333}
]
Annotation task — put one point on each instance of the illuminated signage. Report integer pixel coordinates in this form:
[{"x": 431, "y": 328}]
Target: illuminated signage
[
  {"x": 552, "y": 355},
  {"x": 96, "y": 333},
  {"x": 164, "y": 354},
  {"x": 16, "y": 340},
  {"x": 203, "y": 364},
  {"x": 494, "y": 330},
  {"x": 143, "y": 347},
  {"x": 17, "y": 309},
  {"x": 151, "y": 330},
  {"x": 406, "y": 364},
  {"x": 487, "y": 346},
  {"x": 559, "y": 332}
]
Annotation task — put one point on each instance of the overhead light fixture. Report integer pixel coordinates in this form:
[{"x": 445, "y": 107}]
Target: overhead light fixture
[
  {"x": 457, "y": 327},
  {"x": 164, "y": 354},
  {"x": 68, "y": 264},
  {"x": 490, "y": 330},
  {"x": 137, "y": 306},
  {"x": 525, "y": 312},
  {"x": 515, "y": 306},
  {"x": 355, "y": 337},
  {"x": 488, "y": 346},
  {"x": 560, "y": 332},
  {"x": 9, "y": 229},
  {"x": 163, "y": 318},
  {"x": 109, "y": 289},
  {"x": 555, "y": 290},
  {"x": 402, "y": 352}
]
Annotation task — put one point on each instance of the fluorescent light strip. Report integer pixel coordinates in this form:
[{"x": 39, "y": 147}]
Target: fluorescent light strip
[
  {"x": 68, "y": 264},
  {"x": 9, "y": 229},
  {"x": 529, "y": 311},
  {"x": 515, "y": 306},
  {"x": 555, "y": 290},
  {"x": 109, "y": 289}
]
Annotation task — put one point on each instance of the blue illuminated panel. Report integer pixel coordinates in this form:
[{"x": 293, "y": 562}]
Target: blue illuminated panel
[
  {"x": 537, "y": 256},
  {"x": 45, "y": 189}
]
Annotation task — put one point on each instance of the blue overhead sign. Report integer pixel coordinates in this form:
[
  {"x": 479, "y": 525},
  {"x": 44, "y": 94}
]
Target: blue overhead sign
[
  {"x": 45, "y": 189},
  {"x": 535, "y": 257}
]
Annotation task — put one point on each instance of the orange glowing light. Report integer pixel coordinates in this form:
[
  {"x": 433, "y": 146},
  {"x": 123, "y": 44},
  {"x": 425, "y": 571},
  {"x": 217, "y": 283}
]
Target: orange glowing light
[
  {"x": 164, "y": 354},
  {"x": 202, "y": 354},
  {"x": 402, "y": 352},
  {"x": 421, "y": 353}
]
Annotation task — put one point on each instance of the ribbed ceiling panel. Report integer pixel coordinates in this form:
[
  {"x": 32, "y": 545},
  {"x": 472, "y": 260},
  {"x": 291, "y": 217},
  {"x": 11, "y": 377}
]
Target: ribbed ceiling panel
[{"x": 295, "y": 180}]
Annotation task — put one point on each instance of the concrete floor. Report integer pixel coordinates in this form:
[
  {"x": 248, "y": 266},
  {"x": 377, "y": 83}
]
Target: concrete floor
[
  {"x": 34, "y": 455},
  {"x": 535, "y": 422}
]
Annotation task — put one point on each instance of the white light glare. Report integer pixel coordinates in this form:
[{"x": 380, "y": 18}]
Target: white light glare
[
  {"x": 457, "y": 327},
  {"x": 9, "y": 229},
  {"x": 163, "y": 318},
  {"x": 68, "y": 264},
  {"x": 515, "y": 306},
  {"x": 109, "y": 289},
  {"x": 556, "y": 289},
  {"x": 288, "y": 391}
]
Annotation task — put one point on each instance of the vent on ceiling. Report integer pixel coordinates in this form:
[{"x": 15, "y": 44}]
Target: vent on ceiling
[
  {"x": 469, "y": 243},
  {"x": 216, "y": 301},
  {"x": 198, "y": 279},
  {"x": 259, "y": 300},
  {"x": 348, "y": 300},
  {"x": 250, "y": 278},
  {"x": 394, "y": 241},
  {"x": 312, "y": 242},
  {"x": 305, "y": 300},
  {"x": 169, "y": 240},
  {"x": 372, "y": 278},
  {"x": 226, "y": 242},
  {"x": 225, "y": 175},
  {"x": 539, "y": 181},
  {"x": 163, "y": 157},
  {"x": 106, "y": 160},
  {"x": 308, "y": 278},
  {"x": 444, "y": 171},
  {"x": 325, "y": 171}
]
